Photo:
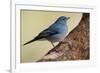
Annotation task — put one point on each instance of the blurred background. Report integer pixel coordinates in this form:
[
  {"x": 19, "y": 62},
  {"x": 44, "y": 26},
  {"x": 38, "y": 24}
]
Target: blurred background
[{"x": 32, "y": 23}]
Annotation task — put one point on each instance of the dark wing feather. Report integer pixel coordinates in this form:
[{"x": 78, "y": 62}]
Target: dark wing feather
[{"x": 46, "y": 33}]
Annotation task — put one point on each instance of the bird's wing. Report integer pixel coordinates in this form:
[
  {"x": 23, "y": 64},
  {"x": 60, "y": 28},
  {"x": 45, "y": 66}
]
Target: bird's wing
[{"x": 46, "y": 33}]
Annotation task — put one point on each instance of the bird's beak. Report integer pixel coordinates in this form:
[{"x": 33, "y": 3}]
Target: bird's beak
[{"x": 68, "y": 18}]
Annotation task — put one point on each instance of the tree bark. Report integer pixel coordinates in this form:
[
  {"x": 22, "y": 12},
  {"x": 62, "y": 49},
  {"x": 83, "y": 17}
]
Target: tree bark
[{"x": 75, "y": 46}]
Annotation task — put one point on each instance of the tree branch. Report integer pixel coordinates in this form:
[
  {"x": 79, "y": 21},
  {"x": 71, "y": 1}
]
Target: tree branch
[{"x": 75, "y": 46}]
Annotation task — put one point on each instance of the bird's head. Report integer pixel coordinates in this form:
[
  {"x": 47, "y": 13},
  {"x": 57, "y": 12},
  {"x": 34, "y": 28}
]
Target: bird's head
[{"x": 63, "y": 19}]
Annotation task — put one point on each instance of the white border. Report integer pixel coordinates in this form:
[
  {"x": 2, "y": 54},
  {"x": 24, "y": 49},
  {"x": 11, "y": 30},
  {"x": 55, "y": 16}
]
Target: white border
[{"x": 15, "y": 39}]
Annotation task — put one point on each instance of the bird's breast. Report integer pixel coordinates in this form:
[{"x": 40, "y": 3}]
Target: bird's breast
[
  {"x": 62, "y": 30},
  {"x": 57, "y": 37}
]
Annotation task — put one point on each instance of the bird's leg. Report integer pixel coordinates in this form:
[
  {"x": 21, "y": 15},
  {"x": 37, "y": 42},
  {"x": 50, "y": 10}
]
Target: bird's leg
[{"x": 52, "y": 44}]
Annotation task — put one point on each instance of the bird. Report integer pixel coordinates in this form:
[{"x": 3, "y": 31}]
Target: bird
[{"x": 54, "y": 33}]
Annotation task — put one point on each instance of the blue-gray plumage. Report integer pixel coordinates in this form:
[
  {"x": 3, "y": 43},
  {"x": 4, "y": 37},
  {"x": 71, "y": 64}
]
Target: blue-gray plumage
[{"x": 54, "y": 33}]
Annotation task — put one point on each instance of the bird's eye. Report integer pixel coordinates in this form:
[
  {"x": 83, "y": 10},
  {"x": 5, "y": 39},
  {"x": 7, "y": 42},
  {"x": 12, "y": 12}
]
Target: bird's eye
[{"x": 63, "y": 19}]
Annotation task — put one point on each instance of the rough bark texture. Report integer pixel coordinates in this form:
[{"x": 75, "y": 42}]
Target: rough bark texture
[{"x": 75, "y": 46}]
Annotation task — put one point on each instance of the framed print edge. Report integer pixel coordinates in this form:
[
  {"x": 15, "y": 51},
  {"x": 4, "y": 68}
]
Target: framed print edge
[{"x": 16, "y": 66}]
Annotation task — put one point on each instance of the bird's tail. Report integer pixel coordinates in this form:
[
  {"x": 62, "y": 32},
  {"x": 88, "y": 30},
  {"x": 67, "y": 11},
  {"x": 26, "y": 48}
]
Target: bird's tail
[
  {"x": 29, "y": 42},
  {"x": 36, "y": 38}
]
